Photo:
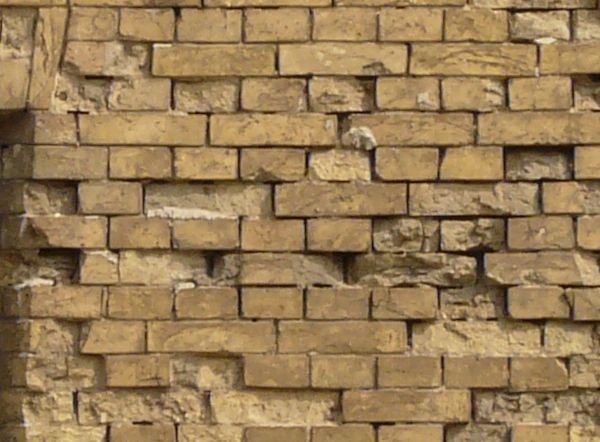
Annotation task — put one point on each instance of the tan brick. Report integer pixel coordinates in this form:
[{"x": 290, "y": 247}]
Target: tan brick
[
  {"x": 272, "y": 164},
  {"x": 140, "y": 162},
  {"x": 411, "y": 433},
  {"x": 472, "y": 163},
  {"x": 409, "y": 371},
  {"x": 585, "y": 371},
  {"x": 540, "y": 93},
  {"x": 265, "y": 434},
  {"x": 475, "y": 25},
  {"x": 572, "y": 58},
  {"x": 566, "y": 338},
  {"x": 207, "y": 96},
  {"x": 332, "y": 337},
  {"x": 486, "y": 59},
  {"x": 344, "y": 433},
  {"x": 143, "y": 129},
  {"x": 571, "y": 197},
  {"x": 207, "y": 303},
  {"x": 532, "y": 164},
  {"x": 410, "y": 164},
  {"x": 482, "y": 233},
  {"x": 410, "y": 24},
  {"x": 541, "y": 232},
  {"x": 405, "y": 303},
  {"x": 137, "y": 371},
  {"x": 99, "y": 267},
  {"x": 146, "y": 433},
  {"x": 151, "y": 267},
  {"x": 342, "y": 59},
  {"x": 538, "y": 374},
  {"x": 93, "y": 24},
  {"x": 475, "y": 372},
  {"x": 147, "y": 24},
  {"x": 345, "y": 199},
  {"x": 331, "y": 303},
  {"x": 273, "y": 94},
  {"x": 272, "y": 303},
  {"x": 587, "y": 232},
  {"x": 212, "y": 60},
  {"x": 273, "y": 130},
  {"x": 194, "y": 432},
  {"x": 70, "y": 302},
  {"x": 537, "y": 302},
  {"x": 217, "y": 234},
  {"x": 338, "y": 235},
  {"x": 587, "y": 162},
  {"x": 206, "y": 163},
  {"x": 533, "y": 433},
  {"x": 339, "y": 165},
  {"x": 276, "y": 371},
  {"x": 337, "y": 372},
  {"x": 140, "y": 94},
  {"x": 408, "y": 93},
  {"x": 266, "y": 3},
  {"x": 69, "y": 163},
  {"x": 110, "y": 198},
  {"x": 332, "y": 24},
  {"x": 272, "y": 235},
  {"x": 113, "y": 337},
  {"x": 210, "y": 25},
  {"x": 406, "y": 235},
  {"x": 282, "y": 24},
  {"x": 586, "y": 304},
  {"x": 540, "y": 25},
  {"x": 482, "y": 94},
  {"x": 406, "y": 405},
  {"x": 585, "y": 25},
  {"x": 106, "y": 58},
  {"x": 331, "y": 94},
  {"x": 211, "y": 336},
  {"x": 135, "y": 232},
  {"x": 14, "y": 83},
  {"x": 140, "y": 302}
]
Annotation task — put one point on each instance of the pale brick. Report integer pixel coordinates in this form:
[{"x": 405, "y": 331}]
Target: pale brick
[
  {"x": 571, "y": 197},
  {"x": 405, "y": 303},
  {"x": 146, "y": 433},
  {"x": 540, "y": 93},
  {"x": 140, "y": 94},
  {"x": 584, "y": 371},
  {"x": 331, "y": 303},
  {"x": 537, "y": 302},
  {"x": 282, "y": 24},
  {"x": 406, "y": 235},
  {"x": 534, "y": 164},
  {"x": 410, "y": 164},
  {"x": 344, "y": 433},
  {"x": 540, "y": 25},
  {"x": 475, "y": 372},
  {"x": 207, "y": 303},
  {"x": 586, "y": 304},
  {"x": 410, "y": 24},
  {"x": 110, "y": 58},
  {"x": 482, "y": 233},
  {"x": 585, "y": 25},
  {"x": 272, "y": 164},
  {"x": 210, "y": 25},
  {"x": 409, "y": 371},
  {"x": 276, "y": 371},
  {"x": 264, "y": 434},
  {"x": 69, "y": 163},
  {"x": 273, "y": 95},
  {"x": 472, "y": 163},
  {"x": 140, "y": 162},
  {"x": 337, "y": 372},
  {"x": 587, "y": 232},
  {"x": 574, "y": 58},
  {"x": 137, "y": 371},
  {"x": 99, "y": 267},
  {"x": 70, "y": 302},
  {"x": 408, "y": 93},
  {"x": 566, "y": 339},
  {"x": 113, "y": 337},
  {"x": 160, "y": 267},
  {"x": 538, "y": 374},
  {"x": 147, "y": 24},
  {"x": 411, "y": 433},
  {"x": 333, "y": 24},
  {"x": 338, "y": 235},
  {"x": 587, "y": 162},
  {"x": 533, "y": 433},
  {"x": 93, "y": 24},
  {"x": 538, "y": 233},
  {"x": 339, "y": 165},
  {"x": 272, "y": 235},
  {"x": 134, "y": 232},
  {"x": 206, "y": 96},
  {"x": 140, "y": 302},
  {"x": 331, "y": 94},
  {"x": 206, "y": 163},
  {"x": 481, "y": 94},
  {"x": 272, "y": 303},
  {"x": 475, "y": 25},
  {"x": 110, "y": 198},
  {"x": 217, "y": 234}
]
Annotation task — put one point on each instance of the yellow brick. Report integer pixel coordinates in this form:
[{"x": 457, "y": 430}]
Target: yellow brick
[
  {"x": 412, "y": 433},
  {"x": 540, "y": 25},
  {"x": 535, "y": 233},
  {"x": 110, "y": 198},
  {"x": 140, "y": 94},
  {"x": 282, "y": 24},
  {"x": 586, "y": 304},
  {"x": 134, "y": 232},
  {"x": 333, "y": 24},
  {"x": 210, "y": 25},
  {"x": 405, "y": 303},
  {"x": 475, "y": 372},
  {"x": 140, "y": 162},
  {"x": 206, "y": 163},
  {"x": 265, "y": 434},
  {"x": 106, "y": 58},
  {"x": 340, "y": 165},
  {"x": 587, "y": 162},
  {"x": 533, "y": 433},
  {"x": 572, "y": 58},
  {"x": 140, "y": 302},
  {"x": 482, "y": 94},
  {"x": 206, "y": 234},
  {"x": 137, "y": 371},
  {"x": 276, "y": 371},
  {"x": 588, "y": 235},
  {"x": 337, "y": 372},
  {"x": 206, "y": 96},
  {"x": 476, "y": 25},
  {"x": 472, "y": 163},
  {"x": 113, "y": 337},
  {"x": 537, "y": 302},
  {"x": 147, "y": 24},
  {"x": 407, "y": 164},
  {"x": 409, "y": 371},
  {"x": 330, "y": 303},
  {"x": 331, "y": 94},
  {"x": 69, "y": 163},
  {"x": 273, "y": 95},
  {"x": 71, "y": 302},
  {"x": 339, "y": 235},
  {"x": 207, "y": 303},
  {"x": 408, "y": 93},
  {"x": 411, "y": 24},
  {"x": 344, "y": 433},
  {"x": 540, "y": 93},
  {"x": 142, "y": 433},
  {"x": 272, "y": 164},
  {"x": 571, "y": 197},
  {"x": 538, "y": 374},
  {"x": 276, "y": 303},
  {"x": 99, "y": 267},
  {"x": 93, "y": 24},
  {"x": 272, "y": 235}
]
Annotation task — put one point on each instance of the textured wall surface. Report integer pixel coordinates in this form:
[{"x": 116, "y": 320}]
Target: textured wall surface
[{"x": 300, "y": 221}]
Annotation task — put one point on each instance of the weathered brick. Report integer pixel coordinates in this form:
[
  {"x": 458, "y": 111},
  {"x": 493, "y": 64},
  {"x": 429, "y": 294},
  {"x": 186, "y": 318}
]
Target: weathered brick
[
  {"x": 99, "y": 267},
  {"x": 408, "y": 93},
  {"x": 405, "y": 303},
  {"x": 210, "y": 25},
  {"x": 282, "y": 24},
  {"x": 140, "y": 302},
  {"x": 413, "y": 433},
  {"x": 410, "y": 164},
  {"x": 216, "y": 234},
  {"x": 410, "y": 24},
  {"x": 586, "y": 304},
  {"x": 574, "y": 58},
  {"x": 272, "y": 303},
  {"x": 206, "y": 163},
  {"x": 584, "y": 371},
  {"x": 332, "y": 303},
  {"x": 136, "y": 232},
  {"x": 564, "y": 339},
  {"x": 475, "y": 372},
  {"x": 472, "y": 163},
  {"x": 481, "y": 94},
  {"x": 207, "y": 303},
  {"x": 140, "y": 94},
  {"x": 272, "y": 164},
  {"x": 587, "y": 162},
  {"x": 110, "y": 58},
  {"x": 538, "y": 233},
  {"x": 332, "y": 24},
  {"x": 273, "y": 95},
  {"x": 70, "y": 302},
  {"x": 482, "y": 233},
  {"x": 339, "y": 165},
  {"x": 571, "y": 197},
  {"x": 344, "y": 433},
  {"x": 69, "y": 163},
  {"x": 540, "y": 25},
  {"x": 160, "y": 267},
  {"x": 337, "y": 371},
  {"x": 540, "y": 93},
  {"x": 147, "y": 433},
  {"x": 531, "y": 374},
  {"x": 334, "y": 94},
  {"x": 475, "y": 25},
  {"x": 225, "y": 433},
  {"x": 531, "y": 433},
  {"x": 537, "y": 302},
  {"x": 93, "y": 24},
  {"x": 137, "y": 371},
  {"x": 532, "y": 164},
  {"x": 265, "y": 434},
  {"x": 207, "y": 96},
  {"x": 338, "y": 235},
  {"x": 409, "y": 371},
  {"x": 100, "y": 337},
  {"x": 406, "y": 235},
  {"x": 276, "y": 371},
  {"x": 139, "y": 162},
  {"x": 585, "y": 25},
  {"x": 110, "y": 198},
  {"x": 147, "y": 24},
  {"x": 272, "y": 235}
]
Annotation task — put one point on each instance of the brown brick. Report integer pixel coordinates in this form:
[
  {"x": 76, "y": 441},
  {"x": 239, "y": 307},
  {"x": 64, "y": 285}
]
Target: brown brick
[
  {"x": 537, "y": 233},
  {"x": 140, "y": 162},
  {"x": 533, "y": 433},
  {"x": 408, "y": 94},
  {"x": 337, "y": 372},
  {"x": 272, "y": 235},
  {"x": 217, "y": 234},
  {"x": 410, "y": 164},
  {"x": 113, "y": 337},
  {"x": 572, "y": 58},
  {"x": 110, "y": 198},
  {"x": 537, "y": 302},
  {"x": 282, "y": 24},
  {"x": 540, "y": 93},
  {"x": 338, "y": 235},
  {"x": 137, "y": 371},
  {"x": 344, "y": 433},
  {"x": 410, "y": 24},
  {"x": 587, "y": 162},
  {"x": 206, "y": 163},
  {"x": 330, "y": 303},
  {"x": 69, "y": 163},
  {"x": 210, "y": 25},
  {"x": 140, "y": 302},
  {"x": 332, "y": 24},
  {"x": 272, "y": 303},
  {"x": 538, "y": 374},
  {"x": 475, "y": 372},
  {"x": 586, "y": 304},
  {"x": 146, "y": 433},
  {"x": 207, "y": 303},
  {"x": 472, "y": 163},
  {"x": 481, "y": 94},
  {"x": 273, "y": 94},
  {"x": 332, "y": 94},
  {"x": 272, "y": 164},
  {"x": 475, "y": 25},
  {"x": 412, "y": 433},
  {"x": 409, "y": 371},
  {"x": 70, "y": 302},
  {"x": 266, "y": 434},
  {"x": 405, "y": 303},
  {"x": 93, "y": 24},
  {"x": 276, "y": 371},
  {"x": 136, "y": 232},
  {"x": 147, "y": 24}
]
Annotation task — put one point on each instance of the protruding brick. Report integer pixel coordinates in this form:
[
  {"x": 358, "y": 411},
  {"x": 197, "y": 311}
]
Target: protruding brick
[
  {"x": 538, "y": 233},
  {"x": 472, "y": 163}
]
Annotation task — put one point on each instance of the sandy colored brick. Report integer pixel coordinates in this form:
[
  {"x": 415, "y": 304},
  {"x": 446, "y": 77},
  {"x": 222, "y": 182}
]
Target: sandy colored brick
[
  {"x": 587, "y": 162},
  {"x": 540, "y": 25},
  {"x": 210, "y": 25},
  {"x": 69, "y": 163},
  {"x": 67, "y": 302},
  {"x": 273, "y": 25},
  {"x": 342, "y": 59},
  {"x": 482, "y": 94},
  {"x": 207, "y": 303},
  {"x": 273, "y": 95},
  {"x": 265, "y": 434},
  {"x": 475, "y": 25},
  {"x": 146, "y": 433},
  {"x": 537, "y": 302},
  {"x": 344, "y": 433},
  {"x": 135, "y": 232},
  {"x": 140, "y": 162},
  {"x": 272, "y": 164},
  {"x": 472, "y": 163},
  {"x": 272, "y": 235},
  {"x": 409, "y": 371},
  {"x": 110, "y": 198},
  {"x": 93, "y": 24},
  {"x": 342, "y": 372},
  {"x": 104, "y": 58},
  {"x": 587, "y": 232},
  {"x": 99, "y": 267},
  {"x": 107, "y": 337},
  {"x": 567, "y": 339},
  {"x": 134, "y": 302},
  {"x": 147, "y": 24},
  {"x": 333, "y": 24},
  {"x": 410, "y": 24},
  {"x": 410, "y": 164},
  {"x": 540, "y": 93},
  {"x": 538, "y": 374},
  {"x": 276, "y": 371},
  {"x": 135, "y": 94},
  {"x": 206, "y": 163},
  {"x": 339, "y": 165},
  {"x": 541, "y": 232},
  {"x": 272, "y": 303},
  {"x": 338, "y": 235},
  {"x": 585, "y": 25},
  {"x": 406, "y": 235},
  {"x": 412, "y": 433},
  {"x": 206, "y": 234},
  {"x": 584, "y": 371},
  {"x": 532, "y": 164},
  {"x": 152, "y": 267},
  {"x": 574, "y": 58},
  {"x": 532, "y": 433},
  {"x": 586, "y": 304},
  {"x": 405, "y": 303},
  {"x": 475, "y": 372},
  {"x": 137, "y": 371},
  {"x": 206, "y": 96},
  {"x": 482, "y": 233},
  {"x": 571, "y": 197},
  {"x": 332, "y": 303},
  {"x": 333, "y": 94},
  {"x": 408, "y": 94}
]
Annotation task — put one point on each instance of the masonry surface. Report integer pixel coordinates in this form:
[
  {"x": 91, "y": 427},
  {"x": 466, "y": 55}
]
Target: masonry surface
[{"x": 300, "y": 221}]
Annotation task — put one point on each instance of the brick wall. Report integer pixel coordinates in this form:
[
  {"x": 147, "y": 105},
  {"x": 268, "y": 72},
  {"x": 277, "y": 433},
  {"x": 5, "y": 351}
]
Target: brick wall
[{"x": 300, "y": 221}]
